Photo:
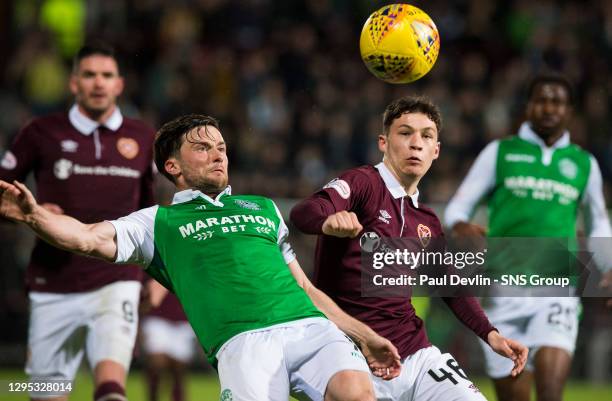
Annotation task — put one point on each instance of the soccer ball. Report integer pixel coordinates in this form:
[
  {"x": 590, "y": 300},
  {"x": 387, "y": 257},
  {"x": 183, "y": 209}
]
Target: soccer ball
[{"x": 399, "y": 43}]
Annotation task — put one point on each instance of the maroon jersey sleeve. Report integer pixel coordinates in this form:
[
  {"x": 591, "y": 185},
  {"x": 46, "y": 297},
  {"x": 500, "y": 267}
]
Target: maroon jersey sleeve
[
  {"x": 467, "y": 309},
  {"x": 470, "y": 313},
  {"x": 22, "y": 156},
  {"x": 347, "y": 192}
]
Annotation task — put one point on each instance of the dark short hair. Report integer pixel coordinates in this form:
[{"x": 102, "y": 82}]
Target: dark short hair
[
  {"x": 551, "y": 78},
  {"x": 411, "y": 104},
  {"x": 171, "y": 135},
  {"x": 93, "y": 48}
]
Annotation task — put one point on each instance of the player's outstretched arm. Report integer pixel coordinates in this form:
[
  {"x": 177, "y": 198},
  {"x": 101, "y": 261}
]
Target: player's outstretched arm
[
  {"x": 18, "y": 204},
  {"x": 510, "y": 349},
  {"x": 382, "y": 356}
]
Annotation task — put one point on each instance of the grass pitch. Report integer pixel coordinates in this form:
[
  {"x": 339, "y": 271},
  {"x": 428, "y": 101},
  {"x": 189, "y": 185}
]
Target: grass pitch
[{"x": 205, "y": 387}]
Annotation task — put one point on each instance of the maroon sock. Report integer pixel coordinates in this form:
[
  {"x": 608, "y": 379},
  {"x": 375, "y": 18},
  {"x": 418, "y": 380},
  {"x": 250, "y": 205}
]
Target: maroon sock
[
  {"x": 110, "y": 391},
  {"x": 153, "y": 384},
  {"x": 178, "y": 392}
]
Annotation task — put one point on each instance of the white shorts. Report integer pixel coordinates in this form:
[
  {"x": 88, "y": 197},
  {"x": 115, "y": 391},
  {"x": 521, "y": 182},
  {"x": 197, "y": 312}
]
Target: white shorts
[
  {"x": 428, "y": 375},
  {"x": 103, "y": 322},
  {"x": 535, "y": 322},
  {"x": 163, "y": 336},
  {"x": 298, "y": 357}
]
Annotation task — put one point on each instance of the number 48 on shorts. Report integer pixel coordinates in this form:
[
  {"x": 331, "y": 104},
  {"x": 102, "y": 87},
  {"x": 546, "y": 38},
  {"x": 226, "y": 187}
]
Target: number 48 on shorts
[{"x": 444, "y": 374}]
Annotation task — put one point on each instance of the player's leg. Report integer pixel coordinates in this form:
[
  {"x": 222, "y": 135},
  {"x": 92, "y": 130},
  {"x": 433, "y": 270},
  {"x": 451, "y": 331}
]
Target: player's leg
[
  {"x": 511, "y": 316},
  {"x": 56, "y": 339},
  {"x": 113, "y": 324},
  {"x": 181, "y": 352},
  {"x": 438, "y": 378},
  {"x": 324, "y": 364},
  {"x": 177, "y": 370},
  {"x": 157, "y": 364},
  {"x": 514, "y": 388},
  {"x": 168, "y": 347},
  {"x": 552, "y": 367},
  {"x": 54, "y": 398},
  {"x": 109, "y": 381},
  {"x": 553, "y": 332},
  {"x": 155, "y": 339},
  {"x": 350, "y": 385},
  {"x": 252, "y": 367}
]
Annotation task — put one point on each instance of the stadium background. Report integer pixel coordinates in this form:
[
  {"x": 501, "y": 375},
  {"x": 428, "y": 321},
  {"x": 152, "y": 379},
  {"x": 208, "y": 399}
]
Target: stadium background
[{"x": 297, "y": 105}]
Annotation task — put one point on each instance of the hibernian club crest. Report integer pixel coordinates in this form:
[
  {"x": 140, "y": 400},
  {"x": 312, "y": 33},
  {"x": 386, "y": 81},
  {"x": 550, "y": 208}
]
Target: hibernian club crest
[
  {"x": 226, "y": 395},
  {"x": 568, "y": 168},
  {"x": 247, "y": 204}
]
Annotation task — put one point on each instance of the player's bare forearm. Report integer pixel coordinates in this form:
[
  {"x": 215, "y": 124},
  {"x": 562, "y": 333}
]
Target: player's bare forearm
[
  {"x": 65, "y": 232},
  {"x": 18, "y": 204},
  {"x": 358, "y": 331},
  {"x": 157, "y": 293},
  {"x": 381, "y": 354},
  {"x": 355, "y": 329}
]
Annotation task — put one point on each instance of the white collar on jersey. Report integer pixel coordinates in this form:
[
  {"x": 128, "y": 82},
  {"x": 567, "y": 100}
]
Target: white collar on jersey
[
  {"x": 394, "y": 186},
  {"x": 190, "y": 194},
  {"x": 86, "y": 125},
  {"x": 527, "y": 133}
]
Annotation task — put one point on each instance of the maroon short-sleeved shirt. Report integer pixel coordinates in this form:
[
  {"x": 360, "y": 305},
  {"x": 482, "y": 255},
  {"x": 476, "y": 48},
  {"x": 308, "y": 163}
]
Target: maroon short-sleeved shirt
[
  {"x": 93, "y": 173},
  {"x": 382, "y": 207}
]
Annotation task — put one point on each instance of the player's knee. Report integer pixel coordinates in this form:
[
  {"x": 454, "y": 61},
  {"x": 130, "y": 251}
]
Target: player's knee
[
  {"x": 513, "y": 389},
  {"x": 110, "y": 391},
  {"x": 551, "y": 394},
  {"x": 350, "y": 385},
  {"x": 158, "y": 361}
]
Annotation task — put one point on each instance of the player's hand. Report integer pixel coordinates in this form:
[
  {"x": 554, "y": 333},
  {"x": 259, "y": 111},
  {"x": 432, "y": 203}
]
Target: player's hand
[
  {"x": 469, "y": 236},
  {"x": 382, "y": 356},
  {"x": 16, "y": 201},
  {"x": 151, "y": 296},
  {"x": 342, "y": 224},
  {"x": 53, "y": 208},
  {"x": 510, "y": 349},
  {"x": 606, "y": 283},
  {"x": 464, "y": 229},
  {"x": 144, "y": 304}
]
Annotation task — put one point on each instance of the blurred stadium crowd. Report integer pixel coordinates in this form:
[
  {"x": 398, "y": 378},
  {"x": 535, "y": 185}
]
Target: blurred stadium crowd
[
  {"x": 287, "y": 83},
  {"x": 295, "y": 101}
]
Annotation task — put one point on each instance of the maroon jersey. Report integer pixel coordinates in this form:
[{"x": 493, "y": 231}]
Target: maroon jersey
[
  {"x": 169, "y": 309},
  {"x": 384, "y": 210},
  {"x": 93, "y": 173}
]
